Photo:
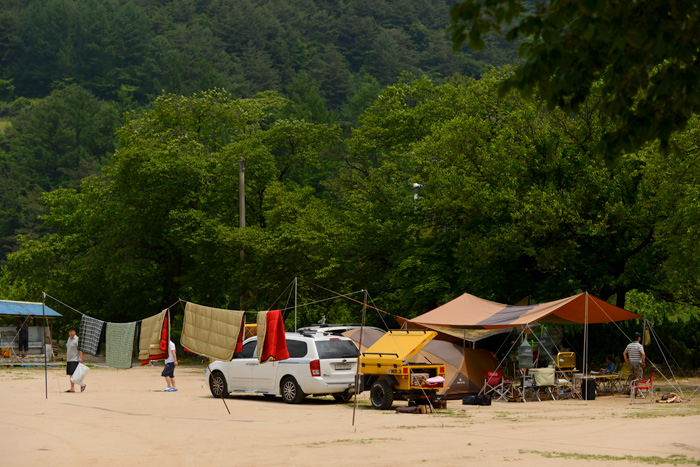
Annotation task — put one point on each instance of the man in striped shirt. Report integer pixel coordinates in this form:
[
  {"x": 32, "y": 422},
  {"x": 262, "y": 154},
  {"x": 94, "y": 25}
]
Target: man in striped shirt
[{"x": 635, "y": 356}]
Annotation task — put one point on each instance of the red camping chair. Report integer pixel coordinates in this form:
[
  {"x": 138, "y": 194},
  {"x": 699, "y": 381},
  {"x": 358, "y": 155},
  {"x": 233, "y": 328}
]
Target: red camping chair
[
  {"x": 495, "y": 385},
  {"x": 642, "y": 385}
]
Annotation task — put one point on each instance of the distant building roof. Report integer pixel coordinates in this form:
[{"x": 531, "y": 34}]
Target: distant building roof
[{"x": 10, "y": 308}]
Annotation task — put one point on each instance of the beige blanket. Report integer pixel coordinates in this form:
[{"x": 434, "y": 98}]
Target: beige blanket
[
  {"x": 211, "y": 332},
  {"x": 262, "y": 330},
  {"x": 151, "y": 330}
]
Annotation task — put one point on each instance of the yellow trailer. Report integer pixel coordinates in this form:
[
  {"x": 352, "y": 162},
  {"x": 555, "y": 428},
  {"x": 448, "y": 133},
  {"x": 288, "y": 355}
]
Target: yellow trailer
[{"x": 387, "y": 372}]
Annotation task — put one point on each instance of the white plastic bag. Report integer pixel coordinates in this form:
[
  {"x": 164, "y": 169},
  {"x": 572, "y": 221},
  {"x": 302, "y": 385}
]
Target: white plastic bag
[{"x": 79, "y": 374}]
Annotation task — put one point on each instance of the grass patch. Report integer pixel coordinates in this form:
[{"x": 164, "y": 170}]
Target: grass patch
[
  {"x": 413, "y": 427},
  {"x": 361, "y": 404},
  {"x": 506, "y": 416},
  {"x": 452, "y": 413},
  {"x": 353, "y": 441},
  {"x": 675, "y": 459},
  {"x": 669, "y": 410}
]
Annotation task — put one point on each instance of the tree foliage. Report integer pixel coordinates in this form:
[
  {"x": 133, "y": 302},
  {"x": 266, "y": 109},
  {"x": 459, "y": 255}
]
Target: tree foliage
[{"x": 644, "y": 54}]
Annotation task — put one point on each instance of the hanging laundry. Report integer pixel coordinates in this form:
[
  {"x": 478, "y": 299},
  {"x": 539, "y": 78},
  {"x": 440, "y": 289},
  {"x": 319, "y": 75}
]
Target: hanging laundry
[
  {"x": 271, "y": 334},
  {"x": 90, "y": 332},
  {"x": 119, "y": 344},
  {"x": 212, "y": 332},
  {"x": 155, "y": 335}
]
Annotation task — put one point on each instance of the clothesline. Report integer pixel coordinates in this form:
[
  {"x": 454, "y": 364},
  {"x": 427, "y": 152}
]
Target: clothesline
[{"x": 180, "y": 300}]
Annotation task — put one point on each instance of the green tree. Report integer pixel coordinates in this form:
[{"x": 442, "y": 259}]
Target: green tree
[
  {"x": 306, "y": 102},
  {"x": 644, "y": 53},
  {"x": 511, "y": 199},
  {"x": 64, "y": 137},
  {"x": 161, "y": 220}
]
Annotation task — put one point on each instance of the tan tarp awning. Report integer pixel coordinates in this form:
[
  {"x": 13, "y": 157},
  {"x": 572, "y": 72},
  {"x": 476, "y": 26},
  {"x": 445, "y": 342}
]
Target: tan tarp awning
[
  {"x": 471, "y": 312},
  {"x": 455, "y": 335}
]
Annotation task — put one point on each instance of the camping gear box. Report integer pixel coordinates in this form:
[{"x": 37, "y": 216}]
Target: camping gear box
[
  {"x": 566, "y": 360},
  {"x": 526, "y": 382}
]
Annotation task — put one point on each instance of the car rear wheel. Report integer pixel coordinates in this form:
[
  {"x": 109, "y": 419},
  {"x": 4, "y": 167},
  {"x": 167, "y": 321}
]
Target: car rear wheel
[
  {"x": 291, "y": 392},
  {"x": 381, "y": 395},
  {"x": 217, "y": 384},
  {"x": 343, "y": 396}
]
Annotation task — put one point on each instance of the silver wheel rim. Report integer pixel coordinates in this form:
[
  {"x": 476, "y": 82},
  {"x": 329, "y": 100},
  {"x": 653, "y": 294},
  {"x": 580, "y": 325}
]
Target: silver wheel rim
[
  {"x": 289, "y": 390},
  {"x": 378, "y": 395},
  {"x": 218, "y": 385}
]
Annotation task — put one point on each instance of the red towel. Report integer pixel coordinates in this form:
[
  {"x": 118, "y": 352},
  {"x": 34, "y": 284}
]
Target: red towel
[
  {"x": 275, "y": 345},
  {"x": 165, "y": 335},
  {"x": 239, "y": 344}
]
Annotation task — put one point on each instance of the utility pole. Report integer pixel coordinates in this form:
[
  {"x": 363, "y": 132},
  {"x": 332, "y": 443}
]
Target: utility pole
[
  {"x": 241, "y": 212},
  {"x": 241, "y": 197}
]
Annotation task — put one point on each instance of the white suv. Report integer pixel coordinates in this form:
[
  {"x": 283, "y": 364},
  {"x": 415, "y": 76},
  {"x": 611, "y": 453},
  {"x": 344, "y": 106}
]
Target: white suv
[{"x": 318, "y": 364}]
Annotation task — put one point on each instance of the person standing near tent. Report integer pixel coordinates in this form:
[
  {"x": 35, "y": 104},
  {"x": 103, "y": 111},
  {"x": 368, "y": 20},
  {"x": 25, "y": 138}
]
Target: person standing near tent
[
  {"x": 635, "y": 357},
  {"x": 169, "y": 370},
  {"x": 73, "y": 357},
  {"x": 23, "y": 331}
]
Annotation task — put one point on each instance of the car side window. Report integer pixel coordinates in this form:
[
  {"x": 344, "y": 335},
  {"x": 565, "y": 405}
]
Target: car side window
[
  {"x": 297, "y": 349},
  {"x": 248, "y": 350}
]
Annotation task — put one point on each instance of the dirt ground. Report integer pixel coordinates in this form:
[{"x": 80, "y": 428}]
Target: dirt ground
[{"x": 124, "y": 417}]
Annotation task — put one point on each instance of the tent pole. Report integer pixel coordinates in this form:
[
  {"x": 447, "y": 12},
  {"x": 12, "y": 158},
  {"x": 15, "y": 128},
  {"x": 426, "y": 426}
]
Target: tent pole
[
  {"x": 43, "y": 313},
  {"x": 585, "y": 346},
  {"x": 357, "y": 371}
]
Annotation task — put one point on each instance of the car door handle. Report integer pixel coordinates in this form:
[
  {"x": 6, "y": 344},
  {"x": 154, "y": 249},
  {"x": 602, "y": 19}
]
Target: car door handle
[{"x": 251, "y": 364}]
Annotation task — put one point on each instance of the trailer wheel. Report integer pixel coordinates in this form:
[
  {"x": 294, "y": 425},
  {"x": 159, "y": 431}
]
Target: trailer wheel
[{"x": 381, "y": 395}]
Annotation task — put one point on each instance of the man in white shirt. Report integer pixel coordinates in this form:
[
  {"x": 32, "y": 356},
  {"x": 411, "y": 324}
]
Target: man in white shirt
[
  {"x": 169, "y": 370},
  {"x": 73, "y": 357}
]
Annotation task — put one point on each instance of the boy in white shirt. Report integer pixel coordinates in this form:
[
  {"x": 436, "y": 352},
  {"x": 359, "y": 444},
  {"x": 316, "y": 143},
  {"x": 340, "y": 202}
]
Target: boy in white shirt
[{"x": 169, "y": 370}]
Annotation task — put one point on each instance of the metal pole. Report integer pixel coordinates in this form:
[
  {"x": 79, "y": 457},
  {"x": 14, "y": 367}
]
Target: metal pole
[
  {"x": 585, "y": 352},
  {"x": 43, "y": 313},
  {"x": 296, "y": 282},
  {"x": 241, "y": 213},
  {"x": 357, "y": 372},
  {"x": 241, "y": 197}
]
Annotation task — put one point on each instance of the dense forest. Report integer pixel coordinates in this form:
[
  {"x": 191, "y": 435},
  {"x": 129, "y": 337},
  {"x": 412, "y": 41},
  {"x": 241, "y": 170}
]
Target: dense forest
[
  {"x": 375, "y": 158},
  {"x": 70, "y": 69}
]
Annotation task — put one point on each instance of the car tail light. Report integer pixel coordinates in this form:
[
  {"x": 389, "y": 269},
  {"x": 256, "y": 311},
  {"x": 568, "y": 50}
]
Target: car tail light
[
  {"x": 315, "y": 367},
  {"x": 442, "y": 370}
]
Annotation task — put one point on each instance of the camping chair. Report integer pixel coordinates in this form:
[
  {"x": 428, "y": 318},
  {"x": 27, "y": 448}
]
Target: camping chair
[
  {"x": 495, "y": 385},
  {"x": 642, "y": 385},
  {"x": 622, "y": 382},
  {"x": 544, "y": 381}
]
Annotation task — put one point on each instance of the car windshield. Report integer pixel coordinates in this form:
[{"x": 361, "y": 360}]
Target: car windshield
[{"x": 336, "y": 349}]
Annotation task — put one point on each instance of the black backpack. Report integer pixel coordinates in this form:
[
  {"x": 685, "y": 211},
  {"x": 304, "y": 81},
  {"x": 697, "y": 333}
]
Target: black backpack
[{"x": 483, "y": 399}]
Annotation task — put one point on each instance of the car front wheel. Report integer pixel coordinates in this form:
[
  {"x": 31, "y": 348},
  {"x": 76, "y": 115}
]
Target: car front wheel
[
  {"x": 217, "y": 384},
  {"x": 381, "y": 395},
  {"x": 291, "y": 392}
]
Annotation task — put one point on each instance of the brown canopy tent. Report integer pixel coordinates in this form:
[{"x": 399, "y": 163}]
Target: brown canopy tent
[{"x": 470, "y": 312}]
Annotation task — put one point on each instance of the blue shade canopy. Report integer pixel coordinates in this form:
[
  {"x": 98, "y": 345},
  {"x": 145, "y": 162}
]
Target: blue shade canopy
[{"x": 10, "y": 308}]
